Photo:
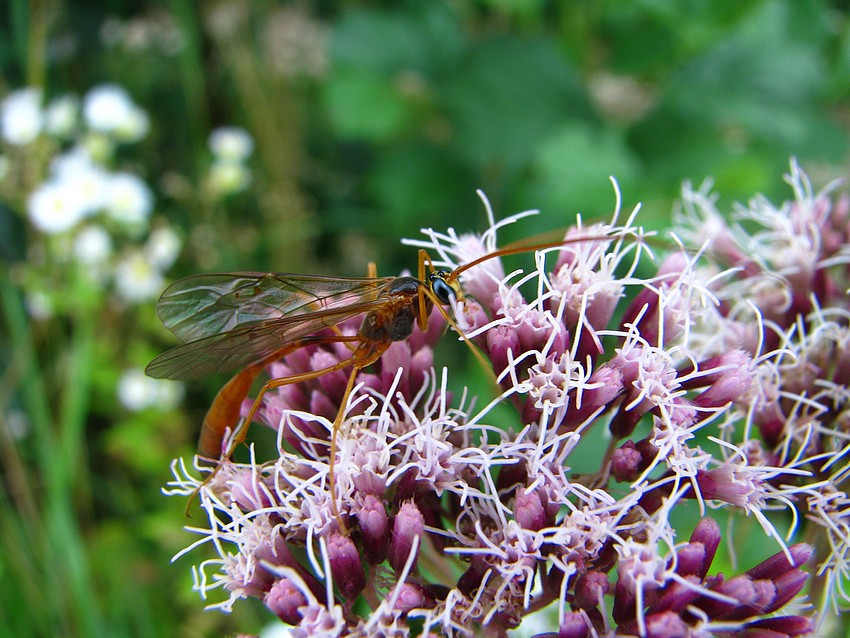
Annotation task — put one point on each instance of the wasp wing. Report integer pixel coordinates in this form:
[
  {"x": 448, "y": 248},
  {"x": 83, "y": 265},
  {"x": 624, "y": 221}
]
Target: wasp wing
[
  {"x": 247, "y": 344},
  {"x": 207, "y": 305}
]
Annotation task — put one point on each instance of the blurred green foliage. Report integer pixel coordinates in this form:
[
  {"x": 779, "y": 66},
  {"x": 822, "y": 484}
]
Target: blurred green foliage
[{"x": 370, "y": 120}]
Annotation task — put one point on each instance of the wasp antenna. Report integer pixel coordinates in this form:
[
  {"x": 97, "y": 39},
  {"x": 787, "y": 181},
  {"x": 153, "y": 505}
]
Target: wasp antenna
[
  {"x": 524, "y": 247},
  {"x": 191, "y": 500}
]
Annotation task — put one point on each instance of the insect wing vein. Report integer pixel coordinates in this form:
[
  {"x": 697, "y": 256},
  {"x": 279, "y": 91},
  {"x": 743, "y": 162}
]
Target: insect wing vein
[
  {"x": 246, "y": 344},
  {"x": 203, "y": 306}
]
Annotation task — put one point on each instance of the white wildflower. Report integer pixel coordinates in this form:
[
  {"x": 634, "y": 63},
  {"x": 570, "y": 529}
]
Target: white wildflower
[
  {"x": 231, "y": 144},
  {"x": 162, "y": 247},
  {"x": 39, "y": 305},
  {"x": 55, "y": 208},
  {"x": 92, "y": 245},
  {"x": 136, "y": 279},
  {"x": 138, "y": 392},
  {"x": 60, "y": 117},
  {"x": 77, "y": 174},
  {"x": 109, "y": 109},
  {"x": 227, "y": 177},
  {"x": 129, "y": 201},
  {"x": 21, "y": 116}
]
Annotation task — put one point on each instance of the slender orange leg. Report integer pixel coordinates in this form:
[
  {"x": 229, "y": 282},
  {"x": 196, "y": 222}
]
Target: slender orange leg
[
  {"x": 224, "y": 411},
  {"x": 229, "y": 399},
  {"x": 360, "y": 359},
  {"x": 225, "y": 408},
  {"x": 332, "y": 453},
  {"x": 422, "y": 315},
  {"x": 363, "y": 356}
]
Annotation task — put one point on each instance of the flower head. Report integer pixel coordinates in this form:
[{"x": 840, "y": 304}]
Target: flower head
[
  {"x": 109, "y": 109},
  {"x": 406, "y": 502},
  {"x": 21, "y": 116}
]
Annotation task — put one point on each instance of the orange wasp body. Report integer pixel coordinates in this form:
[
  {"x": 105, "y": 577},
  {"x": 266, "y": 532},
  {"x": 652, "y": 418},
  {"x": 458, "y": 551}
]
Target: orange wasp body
[{"x": 246, "y": 321}]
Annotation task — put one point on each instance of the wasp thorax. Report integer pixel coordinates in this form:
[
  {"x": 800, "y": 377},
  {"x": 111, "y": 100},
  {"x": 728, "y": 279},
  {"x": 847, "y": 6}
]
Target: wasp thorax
[{"x": 395, "y": 319}]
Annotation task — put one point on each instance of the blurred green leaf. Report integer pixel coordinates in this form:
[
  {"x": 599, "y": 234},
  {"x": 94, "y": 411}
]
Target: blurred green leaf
[
  {"x": 759, "y": 87},
  {"x": 417, "y": 186},
  {"x": 507, "y": 96},
  {"x": 424, "y": 37},
  {"x": 571, "y": 171},
  {"x": 364, "y": 105}
]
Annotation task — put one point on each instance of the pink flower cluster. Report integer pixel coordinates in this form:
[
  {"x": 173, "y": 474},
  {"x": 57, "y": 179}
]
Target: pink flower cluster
[{"x": 644, "y": 391}]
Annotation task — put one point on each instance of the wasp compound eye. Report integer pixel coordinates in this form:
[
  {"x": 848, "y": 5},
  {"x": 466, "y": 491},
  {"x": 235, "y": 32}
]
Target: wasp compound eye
[{"x": 442, "y": 289}]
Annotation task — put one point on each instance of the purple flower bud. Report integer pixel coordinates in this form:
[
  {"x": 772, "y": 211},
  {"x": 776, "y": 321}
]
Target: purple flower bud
[
  {"x": 667, "y": 624},
  {"x": 626, "y": 462},
  {"x": 675, "y": 597},
  {"x": 766, "y": 592},
  {"x": 734, "y": 379},
  {"x": 740, "y": 588},
  {"x": 272, "y": 550},
  {"x": 623, "y": 610},
  {"x": 608, "y": 384},
  {"x": 284, "y": 398},
  {"x": 500, "y": 341},
  {"x": 414, "y": 596},
  {"x": 690, "y": 559},
  {"x": 625, "y": 421},
  {"x": 515, "y": 474},
  {"x": 590, "y": 588},
  {"x": 788, "y": 586},
  {"x": 780, "y": 626},
  {"x": 627, "y": 362},
  {"x": 753, "y": 598},
  {"x": 706, "y": 532},
  {"x": 321, "y": 405},
  {"x": 778, "y": 564},
  {"x": 333, "y": 384},
  {"x": 470, "y": 580},
  {"x": 573, "y": 625},
  {"x": 407, "y": 525},
  {"x": 369, "y": 483},
  {"x": 398, "y": 355},
  {"x": 284, "y": 599},
  {"x": 249, "y": 491},
  {"x": 276, "y": 552},
  {"x": 346, "y": 568},
  {"x": 672, "y": 314},
  {"x": 374, "y": 529},
  {"x": 582, "y": 246},
  {"x": 771, "y": 429},
  {"x": 724, "y": 484},
  {"x": 528, "y": 510},
  {"x": 471, "y": 317},
  {"x": 534, "y": 330}
]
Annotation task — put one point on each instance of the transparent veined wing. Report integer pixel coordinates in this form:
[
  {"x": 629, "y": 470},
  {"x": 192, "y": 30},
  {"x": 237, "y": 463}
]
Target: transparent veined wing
[
  {"x": 249, "y": 343},
  {"x": 207, "y": 305}
]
